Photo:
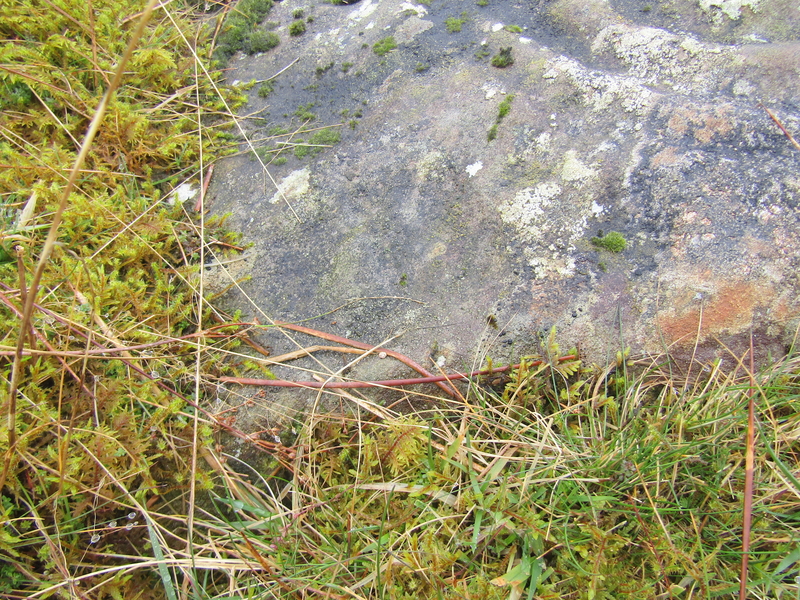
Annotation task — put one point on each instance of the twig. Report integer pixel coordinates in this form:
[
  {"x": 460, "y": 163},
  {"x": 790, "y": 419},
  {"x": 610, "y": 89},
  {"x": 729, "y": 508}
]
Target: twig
[
  {"x": 199, "y": 204},
  {"x": 782, "y": 128}
]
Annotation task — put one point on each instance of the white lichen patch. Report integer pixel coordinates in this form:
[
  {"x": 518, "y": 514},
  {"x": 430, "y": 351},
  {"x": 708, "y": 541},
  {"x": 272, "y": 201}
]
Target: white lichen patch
[
  {"x": 573, "y": 169},
  {"x": 293, "y": 186},
  {"x": 547, "y": 226},
  {"x": 474, "y": 168},
  {"x": 731, "y": 8},
  {"x": 431, "y": 166},
  {"x": 420, "y": 11},
  {"x": 600, "y": 90},
  {"x": 656, "y": 56},
  {"x": 365, "y": 9}
]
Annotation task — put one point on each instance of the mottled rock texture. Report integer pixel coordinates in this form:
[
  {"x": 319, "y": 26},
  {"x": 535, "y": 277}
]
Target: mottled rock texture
[{"x": 640, "y": 118}]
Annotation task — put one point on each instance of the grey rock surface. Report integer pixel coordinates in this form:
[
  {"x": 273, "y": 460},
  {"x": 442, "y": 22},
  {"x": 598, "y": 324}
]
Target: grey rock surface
[{"x": 641, "y": 118}]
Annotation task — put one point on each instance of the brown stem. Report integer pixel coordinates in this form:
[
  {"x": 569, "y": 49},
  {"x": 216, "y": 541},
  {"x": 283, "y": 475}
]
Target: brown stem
[
  {"x": 449, "y": 390},
  {"x": 384, "y": 383}
]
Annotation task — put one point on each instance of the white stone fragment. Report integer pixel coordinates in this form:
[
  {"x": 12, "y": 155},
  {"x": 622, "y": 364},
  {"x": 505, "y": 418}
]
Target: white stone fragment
[
  {"x": 474, "y": 168},
  {"x": 182, "y": 193}
]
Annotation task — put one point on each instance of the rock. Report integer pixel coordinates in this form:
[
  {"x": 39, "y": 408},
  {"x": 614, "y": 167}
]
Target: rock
[{"x": 415, "y": 227}]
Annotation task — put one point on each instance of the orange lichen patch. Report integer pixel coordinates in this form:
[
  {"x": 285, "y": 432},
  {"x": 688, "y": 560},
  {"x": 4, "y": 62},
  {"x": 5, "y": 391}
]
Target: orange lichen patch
[
  {"x": 713, "y": 125},
  {"x": 705, "y": 123},
  {"x": 678, "y": 123},
  {"x": 666, "y": 158},
  {"x": 729, "y": 310}
]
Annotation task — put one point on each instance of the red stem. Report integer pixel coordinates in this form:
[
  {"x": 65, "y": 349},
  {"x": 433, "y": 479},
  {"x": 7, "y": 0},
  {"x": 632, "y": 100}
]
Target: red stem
[{"x": 384, "y": 383}]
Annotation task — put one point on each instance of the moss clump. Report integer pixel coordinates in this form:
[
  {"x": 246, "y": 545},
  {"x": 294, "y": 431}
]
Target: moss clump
[
  {"x": 454, "y": 24},
  {"x": 513, "y": 28},
  {"x": 304, "y": 112},
  {"x": 297, "y": 28},
  {"x": 239, "y": 30},
  {"x": 503, "y": 59},
  {"x": 505, "y": 107},
  {"x": 502, "y": 110},
  {"x": 262, "y": 41},
  {"x": 265, "y": 89},
  {"x": 317, "y": 142},
  {"x": 613, "y": 241},
  {"x": 384, "y": 46}
]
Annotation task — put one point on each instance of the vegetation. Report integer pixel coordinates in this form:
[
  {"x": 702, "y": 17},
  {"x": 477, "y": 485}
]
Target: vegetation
[
  {"x": 502, "y": 111},
  {"x": 239, "y": 29},
  {"x": 503, "y": 59},
  {"x": 513, "y": 28},
  {"x": 262, "y": 41},
  {"x": 454, "y": 24},
  {"x": 548, "y": 479},
  {"x": 613, "y": 241},
  {"x": 297, "y": 28},
  {"x": 384, "y": 46},
  {"x": 265, "y": 89},
  {"x": 304, "y": 112},
  {"x": 317, "y": 142}
]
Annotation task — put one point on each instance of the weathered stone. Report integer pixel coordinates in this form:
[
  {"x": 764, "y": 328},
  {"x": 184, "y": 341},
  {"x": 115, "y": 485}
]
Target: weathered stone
[{"x": 620, "y": 121}]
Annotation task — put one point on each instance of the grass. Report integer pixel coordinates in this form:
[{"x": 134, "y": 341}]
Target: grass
[{"x": 555, "y": 479}]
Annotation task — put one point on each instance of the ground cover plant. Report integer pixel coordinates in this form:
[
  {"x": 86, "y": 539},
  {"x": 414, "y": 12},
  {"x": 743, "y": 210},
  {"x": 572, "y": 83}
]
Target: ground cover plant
[{"x": 549, "y": 479}]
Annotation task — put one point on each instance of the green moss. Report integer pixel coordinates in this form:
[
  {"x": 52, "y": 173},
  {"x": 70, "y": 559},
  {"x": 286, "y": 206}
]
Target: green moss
[
  {"x": 384, "y": 46},
  {"x": 482, "y": 53},
  {"x": 317, "y": 142},
  {"x": 454, "y": 24},
  {"x": 483, "y": 3},
  {"x": 505, "y": 107},
  {"x": 298, "y": 13},
  {"x": 492, "y": 132},
  {"x": 503, "y": 59},
  {"x": 262, "y": 41},
  {"x": 513, "y": 28},
  {"x": 265, "y": 89},
  {"x": 613, "y": 241},
  {"x": 304, "y": 112},
  {"x": 322, "y": 69},
  {"x": 297, "y": 28},
  {"x": 239, "y": 29},
  {"x": 346, "y": 66}
]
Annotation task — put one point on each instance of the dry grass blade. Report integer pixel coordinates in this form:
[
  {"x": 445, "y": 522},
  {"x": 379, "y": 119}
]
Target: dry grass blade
[{"x": 747, "y": 516}]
